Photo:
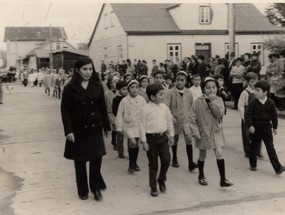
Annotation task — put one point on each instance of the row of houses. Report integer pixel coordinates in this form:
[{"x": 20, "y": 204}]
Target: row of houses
[
  {"x": 171, "y": 31},
  {"x": 30, "y": 48},
  {"x": 147, "y": 31}
]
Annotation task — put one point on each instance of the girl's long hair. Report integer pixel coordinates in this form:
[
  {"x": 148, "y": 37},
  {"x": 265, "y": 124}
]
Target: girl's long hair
[{"x": 76, "y": 78}]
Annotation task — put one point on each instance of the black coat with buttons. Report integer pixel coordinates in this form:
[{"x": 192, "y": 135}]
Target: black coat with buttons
[{"x": 84, "y": 114}]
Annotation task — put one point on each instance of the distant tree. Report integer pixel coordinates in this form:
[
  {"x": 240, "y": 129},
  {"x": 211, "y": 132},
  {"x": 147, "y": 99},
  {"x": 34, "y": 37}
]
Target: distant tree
[
  {"x": 3, "y": 57},
  {"x": 82, "y": 46},
  {"x": 275, "y": 43},
  {"x": 276, "y": 13}
]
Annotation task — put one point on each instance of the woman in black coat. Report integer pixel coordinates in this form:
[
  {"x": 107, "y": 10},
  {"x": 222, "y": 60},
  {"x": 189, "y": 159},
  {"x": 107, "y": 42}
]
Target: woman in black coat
[{"x": 84, "y": 117}]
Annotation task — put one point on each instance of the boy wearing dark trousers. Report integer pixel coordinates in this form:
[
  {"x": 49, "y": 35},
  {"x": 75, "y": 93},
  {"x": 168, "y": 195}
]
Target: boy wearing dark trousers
[
  {"x": 121, "y": 87},
  {"x": 245, "y": 98},
  {"x": 156, "y": 130},
  {"x": 261, "y": 118}
]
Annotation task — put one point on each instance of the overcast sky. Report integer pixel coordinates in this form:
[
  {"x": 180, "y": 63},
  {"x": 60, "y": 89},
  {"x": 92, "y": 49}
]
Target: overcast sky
[{"x": 78, "y": 17}]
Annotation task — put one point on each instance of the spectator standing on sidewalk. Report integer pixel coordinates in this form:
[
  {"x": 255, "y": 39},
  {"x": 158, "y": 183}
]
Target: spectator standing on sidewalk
[{"x": 84, "y": 117}]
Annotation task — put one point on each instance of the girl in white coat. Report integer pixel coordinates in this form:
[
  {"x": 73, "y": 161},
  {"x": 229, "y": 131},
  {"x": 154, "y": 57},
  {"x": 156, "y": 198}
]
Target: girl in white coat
[{"x": 127, "y": 121}]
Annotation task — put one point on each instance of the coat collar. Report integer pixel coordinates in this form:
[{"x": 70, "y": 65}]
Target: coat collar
[{"x": 89, "y": 92}]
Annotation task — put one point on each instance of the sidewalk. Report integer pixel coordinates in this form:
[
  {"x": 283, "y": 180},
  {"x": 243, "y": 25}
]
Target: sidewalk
[{"x": 31, "y": 150}]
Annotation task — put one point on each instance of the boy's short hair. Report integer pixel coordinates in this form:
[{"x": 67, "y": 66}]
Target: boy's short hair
[
  {"x": 264, "y": 85},
  {"x": 196, "y": 76},
  {"x": 239, "y": 59},
  {"x": 251, "y": 75},
  {"x": 255, "y": 54},
  {"x": 168, "y": 77},
  {"x": 153, "y": 89},
  {"x": 120, "y": 85},
  {"x": 158, "y": 72},
  {"x": 201, "y": 57},
  {"x": 218, "y": 76}
]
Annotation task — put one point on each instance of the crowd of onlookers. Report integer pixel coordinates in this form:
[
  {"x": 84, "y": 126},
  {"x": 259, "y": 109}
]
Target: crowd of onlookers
[{"x": 232, "y": 68}]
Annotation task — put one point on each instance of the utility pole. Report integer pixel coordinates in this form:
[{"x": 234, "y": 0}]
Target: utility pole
[
  {"x": 231, "y": 28},
  {"x": 50, "y": 48}
]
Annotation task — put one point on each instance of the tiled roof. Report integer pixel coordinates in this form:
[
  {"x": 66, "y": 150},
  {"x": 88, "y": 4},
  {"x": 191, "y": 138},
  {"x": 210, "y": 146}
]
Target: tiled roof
[
  {"x": 145, "y": 17},
  {"x": 154, "y": 18},
  {"x": 249, "y": 19},
  {"x": 33, "y": 33},
  {"x": 74, "y": 51},
  {"x": 40, "y": 53}
]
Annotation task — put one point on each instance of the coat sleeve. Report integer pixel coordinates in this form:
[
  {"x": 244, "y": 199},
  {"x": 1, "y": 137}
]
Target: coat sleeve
[
  {"x": 193, "y": 120},
  {"x": 103, "y": 110},
  {"x": 120, "y": 115},
  {"x": 274, "y": 116},
  {"x": 66, "y": 110},
  {"x": 248, "y": 114},
  {"x": 217, "y": 107}
]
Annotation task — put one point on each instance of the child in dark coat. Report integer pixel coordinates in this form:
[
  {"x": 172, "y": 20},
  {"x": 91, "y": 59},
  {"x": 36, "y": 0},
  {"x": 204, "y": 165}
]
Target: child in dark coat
[
  {"x": 261, "y": 120},
  {"x": 122, "y": 91}
]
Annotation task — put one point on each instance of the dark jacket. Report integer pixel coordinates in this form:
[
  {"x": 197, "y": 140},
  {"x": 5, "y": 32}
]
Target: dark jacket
[
  {"x": 84, "y": 114},
  {"x": 203, "y": 70}
]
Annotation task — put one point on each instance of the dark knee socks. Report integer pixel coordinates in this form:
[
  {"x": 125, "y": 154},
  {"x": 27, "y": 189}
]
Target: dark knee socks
[
  {"x": 201, "y": 169},
  {"x": 189, "y": 151},
  {"x": 221, "y": 166}
]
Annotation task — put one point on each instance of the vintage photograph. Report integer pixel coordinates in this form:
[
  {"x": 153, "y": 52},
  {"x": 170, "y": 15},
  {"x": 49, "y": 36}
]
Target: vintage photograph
[{"x": 142, "y": 107}]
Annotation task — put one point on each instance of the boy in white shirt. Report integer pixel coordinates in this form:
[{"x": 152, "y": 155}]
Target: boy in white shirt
[
  {"x": 196, "y": 88},
  {"x": 155, "y": 126}
]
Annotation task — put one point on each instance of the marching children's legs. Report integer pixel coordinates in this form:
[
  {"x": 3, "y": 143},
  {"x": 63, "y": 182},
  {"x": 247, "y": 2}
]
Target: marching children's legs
[
  {"x": 174, "y": 151},
  {"x": 221, "y": 166},
  {"x": 201, "y": 162}
]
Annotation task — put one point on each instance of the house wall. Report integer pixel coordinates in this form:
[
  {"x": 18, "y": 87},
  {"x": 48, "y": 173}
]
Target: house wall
[
  {"x": 155, "y": 47},
  {"x": 108, "y": 37},
  {"x": 17, "y": 49},
  {"x": 32, "y": 62},
  {"x": 219, "y": 20}
]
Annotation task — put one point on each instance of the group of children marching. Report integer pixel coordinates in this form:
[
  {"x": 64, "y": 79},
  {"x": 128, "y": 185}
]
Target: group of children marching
[{"x": 155, "y": 116}]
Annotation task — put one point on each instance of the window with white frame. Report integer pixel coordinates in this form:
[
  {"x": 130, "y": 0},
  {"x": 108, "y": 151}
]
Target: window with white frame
[
  {"x": 205, "y": 14},
  {"x": 112, "y": 15},
  {"x": 258, "y": 48},
  {"x": 105, "y": 53},
  {"x": 173, "y": 51},
  {"x": 227, "y": 48},
  {"x": 106, "y": 21}
]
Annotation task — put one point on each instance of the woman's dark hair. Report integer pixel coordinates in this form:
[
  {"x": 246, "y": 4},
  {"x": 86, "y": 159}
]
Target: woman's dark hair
[
  {"x": 206, "y": 80},
  {"x": 76, "y": 78}
]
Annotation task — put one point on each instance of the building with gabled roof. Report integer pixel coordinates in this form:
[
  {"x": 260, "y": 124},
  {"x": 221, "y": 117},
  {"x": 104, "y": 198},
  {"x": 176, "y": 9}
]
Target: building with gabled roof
[
  {"x": 22, "y": 40},
  {"x": 173, "y": 31}
]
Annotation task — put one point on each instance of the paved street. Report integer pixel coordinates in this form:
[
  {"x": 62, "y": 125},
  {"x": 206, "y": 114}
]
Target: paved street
[{"x": 36, "y": 179}]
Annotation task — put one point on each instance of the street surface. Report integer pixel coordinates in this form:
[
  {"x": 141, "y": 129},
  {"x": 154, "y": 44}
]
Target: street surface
[{"x": 35, "y": 178}]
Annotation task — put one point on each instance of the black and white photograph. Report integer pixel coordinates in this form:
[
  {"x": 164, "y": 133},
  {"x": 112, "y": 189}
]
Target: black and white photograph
[{"x": 142, "y": 107}]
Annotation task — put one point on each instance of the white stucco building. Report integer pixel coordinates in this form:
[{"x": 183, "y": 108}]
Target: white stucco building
[{"x": 169, "y": 31}]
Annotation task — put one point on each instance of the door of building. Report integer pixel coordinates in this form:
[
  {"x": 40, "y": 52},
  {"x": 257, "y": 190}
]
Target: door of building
[{"x": 203, "y": 49}]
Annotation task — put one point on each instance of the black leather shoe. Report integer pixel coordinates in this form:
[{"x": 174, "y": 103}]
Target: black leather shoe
[
  {"x": 122, "y": 156},
  {"x": 162, "y": 186},
  {"x": 279, "y": 172},
  {"x": 226, "y": 183},
  {"x": 193, "y": 166},
  {"x": 131, "y": 170},
  {"x": 97, "y": 195},
  {"x": 137, "y": 168},
  {"x": 153, "y": 192},
  {"x": 83, "y": 197},
  {"x": 175, "y": 163}
]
